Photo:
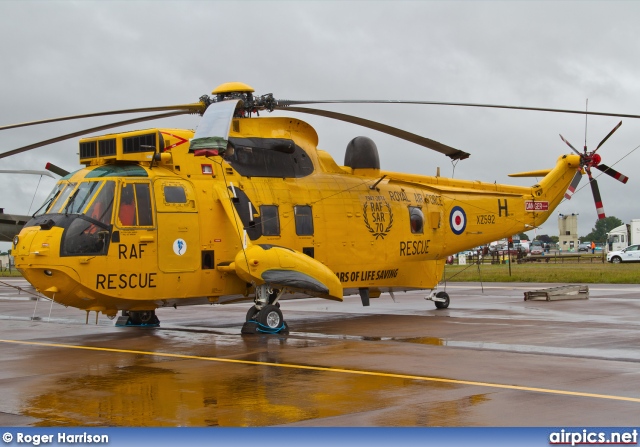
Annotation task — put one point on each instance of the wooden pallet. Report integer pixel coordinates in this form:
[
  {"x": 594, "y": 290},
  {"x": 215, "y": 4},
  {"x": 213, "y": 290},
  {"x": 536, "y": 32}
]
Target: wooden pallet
[{"x": 558, "y": 293}]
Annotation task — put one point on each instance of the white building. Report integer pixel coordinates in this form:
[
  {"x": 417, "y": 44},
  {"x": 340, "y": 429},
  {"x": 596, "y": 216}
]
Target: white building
[{"x": 568, "y": 232}]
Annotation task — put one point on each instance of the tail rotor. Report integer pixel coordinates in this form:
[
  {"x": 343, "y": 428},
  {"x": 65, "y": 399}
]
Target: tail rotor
[{"x": 590, "y": 160}]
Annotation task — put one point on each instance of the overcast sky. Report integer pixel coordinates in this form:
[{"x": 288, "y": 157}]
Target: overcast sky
[{"x": 66, "y": 58}]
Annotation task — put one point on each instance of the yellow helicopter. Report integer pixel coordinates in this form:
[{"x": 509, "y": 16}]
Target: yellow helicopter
[{"x": 249, "y": 208}]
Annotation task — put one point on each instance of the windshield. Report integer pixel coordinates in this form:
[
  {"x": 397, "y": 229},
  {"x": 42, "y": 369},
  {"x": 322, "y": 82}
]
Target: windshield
[
  {"x": 81, "y": 197},
  {"x": 62, "y": 198},
  {"x": 51, "y": 198},
  {"x": 90, "y": 231}
]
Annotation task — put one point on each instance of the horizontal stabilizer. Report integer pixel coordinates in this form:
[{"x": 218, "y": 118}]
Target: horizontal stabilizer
[{"x": 539, "y": 173}]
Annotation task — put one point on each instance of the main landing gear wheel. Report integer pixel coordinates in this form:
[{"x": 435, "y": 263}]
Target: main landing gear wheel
[
  {"x": 267, "y": 320},
  {"x": 271, "y": 317},
  {"x": 442, "y": 304},
  {"x": 265, "y": 316},
  {"x": 138, "y": 318},
  {"x": 251, "y": 314}
]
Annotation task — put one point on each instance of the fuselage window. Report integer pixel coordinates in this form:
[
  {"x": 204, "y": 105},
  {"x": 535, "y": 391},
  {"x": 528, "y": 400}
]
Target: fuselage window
[
  {"x": 174, "y": 194},
  {"x": 135, "y": 205},
  {"x": 416, "y": 218},
  {"x": 270, "y": 220},
  {"x": 304, "y": 220}
]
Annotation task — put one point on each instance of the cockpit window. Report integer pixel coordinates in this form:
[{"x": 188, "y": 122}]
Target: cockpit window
[
  {"x": 50, "y": 200},
  {"x": 81, "y": 197},
  {"x": 102, "y": 207},
  {"x": 135, "y": 205},
  {"x": 89, "y": 231},
  {"x": 60, "y": 202}
]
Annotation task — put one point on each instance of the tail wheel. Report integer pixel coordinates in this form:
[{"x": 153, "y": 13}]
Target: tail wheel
[
  {"x": 442, "y": 304},
  {"x": 270, "y": 316}
]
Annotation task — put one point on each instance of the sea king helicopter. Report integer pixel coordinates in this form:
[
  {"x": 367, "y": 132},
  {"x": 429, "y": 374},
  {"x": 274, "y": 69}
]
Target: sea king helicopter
[{"x": 247, "y": 207}]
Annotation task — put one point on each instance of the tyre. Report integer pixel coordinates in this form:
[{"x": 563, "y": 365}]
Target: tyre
[
  {"x": 251, "y": 313},
  {"x": 143, "y": 317},
  {"x": 439, "y": 304},
  {"x": 146, "y": 316},
  {"x": 616, "y": 259},
  {"x": 270, "y": 316}
]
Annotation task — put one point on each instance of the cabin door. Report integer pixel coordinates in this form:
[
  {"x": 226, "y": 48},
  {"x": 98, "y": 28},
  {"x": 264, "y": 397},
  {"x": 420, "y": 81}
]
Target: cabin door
[{"x": 178, "y": 231}]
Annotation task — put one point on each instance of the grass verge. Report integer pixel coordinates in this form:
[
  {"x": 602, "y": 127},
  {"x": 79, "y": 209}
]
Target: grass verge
[{"x": 542, "y": 272}]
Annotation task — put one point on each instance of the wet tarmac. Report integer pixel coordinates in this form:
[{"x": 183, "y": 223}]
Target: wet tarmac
[{"x": 490, "y": 359}]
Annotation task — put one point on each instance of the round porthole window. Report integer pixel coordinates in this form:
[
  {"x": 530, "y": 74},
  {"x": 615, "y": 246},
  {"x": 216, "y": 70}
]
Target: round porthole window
[{"x": 417, "y": 219}]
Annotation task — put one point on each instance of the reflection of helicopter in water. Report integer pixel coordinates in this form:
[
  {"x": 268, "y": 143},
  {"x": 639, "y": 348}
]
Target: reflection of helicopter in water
[{"x": 250, "y": 208}]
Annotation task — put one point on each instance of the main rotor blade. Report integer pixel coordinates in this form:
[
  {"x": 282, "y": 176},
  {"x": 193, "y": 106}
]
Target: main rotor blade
[
  {"x": 597, "y": 199},
  {"x": 569, "y": 144},
  {"x": 285, "y": 103},
  {"x": 574, "y": 185},
  {"x": 26, "y": 171},
  {"x": 56, "y": 169},
  {"x": 612, "y": 173},
  {"x": 191, "y": 108},
  {"x": 449, "y": 151},
  {"x": 607, "y": 137},
  {"x": 88, "y": 131}
]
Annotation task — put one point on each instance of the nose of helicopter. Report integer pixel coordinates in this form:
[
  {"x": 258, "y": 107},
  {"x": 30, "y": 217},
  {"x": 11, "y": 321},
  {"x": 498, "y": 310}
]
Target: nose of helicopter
[{"x": 37, "y": 257}]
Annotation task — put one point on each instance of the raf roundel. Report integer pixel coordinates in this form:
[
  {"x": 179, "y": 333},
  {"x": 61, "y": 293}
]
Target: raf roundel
[{"x": 457, "y": 220}]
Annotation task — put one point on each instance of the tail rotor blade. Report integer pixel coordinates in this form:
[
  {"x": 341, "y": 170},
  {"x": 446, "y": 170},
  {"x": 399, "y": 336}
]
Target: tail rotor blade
[
  {"x": 612, "y": 173},
  {"x": 598, "y": 200},
  {"x": 573, "y": 186},
  {"x": 607, "y": 137},
  {"x": 569, "y": 144}
]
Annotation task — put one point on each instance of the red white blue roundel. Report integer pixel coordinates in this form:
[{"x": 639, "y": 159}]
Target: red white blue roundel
[{"x": 457, "y": 220}]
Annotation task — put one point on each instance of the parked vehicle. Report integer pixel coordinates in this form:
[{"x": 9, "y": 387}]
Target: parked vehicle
[
  {"x": 536, "y": 250},
  {"x": 624, "y": 235},
  {"x": 629, "y": 254},
  {"x": 585, "y": 246}
]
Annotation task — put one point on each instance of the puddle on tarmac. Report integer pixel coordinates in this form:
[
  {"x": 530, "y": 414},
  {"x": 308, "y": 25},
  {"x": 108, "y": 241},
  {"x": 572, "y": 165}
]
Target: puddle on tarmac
[{"x": 193, "y": 393}]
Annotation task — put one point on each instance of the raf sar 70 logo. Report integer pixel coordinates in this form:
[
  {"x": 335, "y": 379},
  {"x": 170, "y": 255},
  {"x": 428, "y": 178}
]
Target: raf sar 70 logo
[{"x": 377, "y": 215}]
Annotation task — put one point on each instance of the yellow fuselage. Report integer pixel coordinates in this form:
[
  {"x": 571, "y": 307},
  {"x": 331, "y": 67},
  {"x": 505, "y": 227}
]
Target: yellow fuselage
[{"x": 190, "y": 250}]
